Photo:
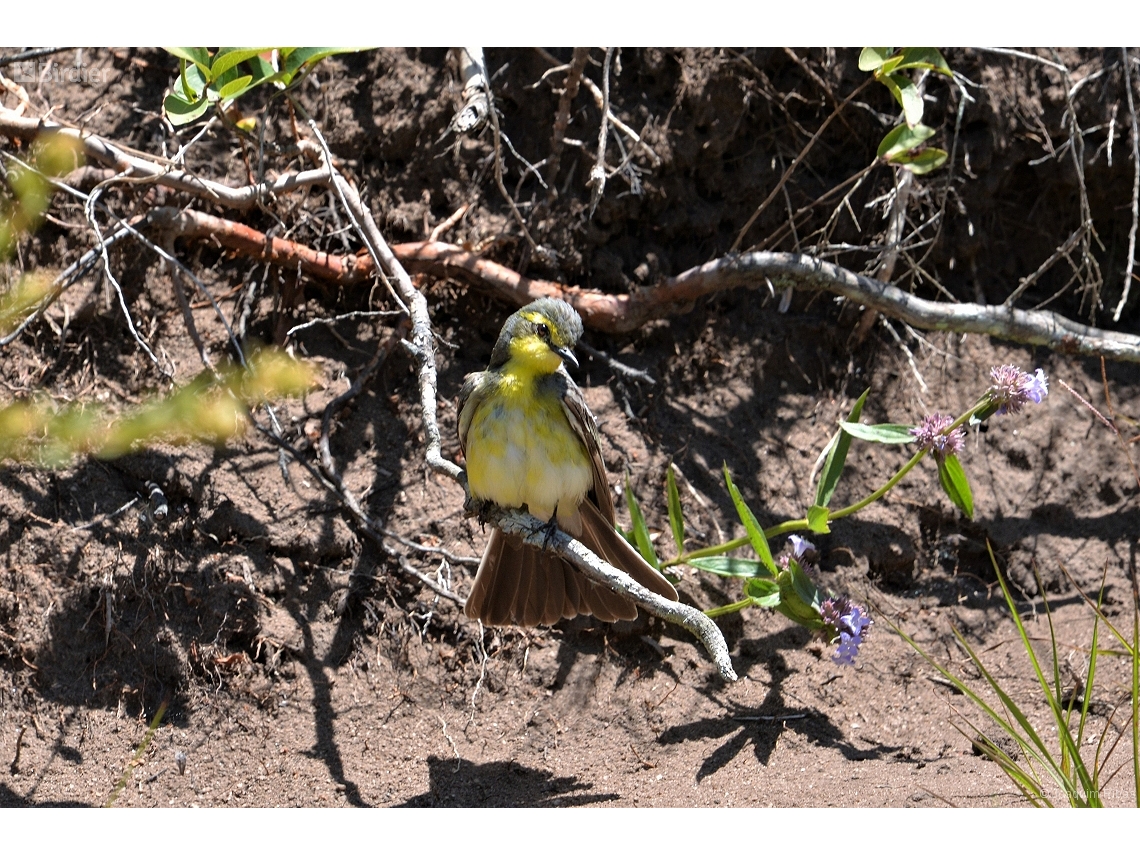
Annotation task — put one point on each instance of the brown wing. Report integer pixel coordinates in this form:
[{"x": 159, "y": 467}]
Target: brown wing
[
  {"x": 472, "y": 393},
  {"x": 582, "y": 420}
]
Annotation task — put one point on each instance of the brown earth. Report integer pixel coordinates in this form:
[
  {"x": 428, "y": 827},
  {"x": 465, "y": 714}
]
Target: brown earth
[{"x": 298, "y": 667}]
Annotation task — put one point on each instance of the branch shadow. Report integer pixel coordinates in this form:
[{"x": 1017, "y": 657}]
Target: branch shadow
[{"x": 453, "y": 783}]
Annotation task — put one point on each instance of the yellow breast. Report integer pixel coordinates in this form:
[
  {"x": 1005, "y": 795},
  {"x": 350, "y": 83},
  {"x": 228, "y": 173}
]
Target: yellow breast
[{"x": 522, "y": 450}]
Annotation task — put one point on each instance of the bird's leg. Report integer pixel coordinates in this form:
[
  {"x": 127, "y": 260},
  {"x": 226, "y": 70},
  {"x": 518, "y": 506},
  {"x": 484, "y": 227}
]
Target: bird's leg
[{"x": 550, "y": 529}]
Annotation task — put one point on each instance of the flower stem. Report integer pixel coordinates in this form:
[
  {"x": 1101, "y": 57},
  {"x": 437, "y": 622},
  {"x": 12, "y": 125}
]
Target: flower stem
[{"x": 719, "y": 611}]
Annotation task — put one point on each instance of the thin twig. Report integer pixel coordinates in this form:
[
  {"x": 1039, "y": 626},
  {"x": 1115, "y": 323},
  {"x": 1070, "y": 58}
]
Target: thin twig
[
  {"x": 1135, "y": 190},
  {"x": 792, "y": 166},
  {"x": 24, "y": 56},
  {"x": 597, "y": 181},
  {"x": 634, "y": 137},
  {"x": 1023, "y": 55},
  {"x": 618, "y": 367},
  {"x": 446, "y": 225},
  {"x": 89, "y": 210},
  {"x": 497, "y": 137},
  {"x": 338, "y": 318},
  {"x": 562, "y": 117}
]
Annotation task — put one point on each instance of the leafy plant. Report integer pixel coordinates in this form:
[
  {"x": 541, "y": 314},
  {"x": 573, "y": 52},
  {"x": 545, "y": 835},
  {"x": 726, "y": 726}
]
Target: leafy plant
[
  {"x": 222, "y": 77},
  {"x": 208, "y": 409},
  {"x": 787, "y": 584},
  {"x": 905, "y": 144},
  {"x": 27, "y": 192}
]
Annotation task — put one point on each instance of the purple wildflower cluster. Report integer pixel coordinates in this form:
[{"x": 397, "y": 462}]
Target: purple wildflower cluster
[
  {"x": 1012, "y": 388},
  {"x": 932, "y": 436},
  {"x": 850, "y": 622}
]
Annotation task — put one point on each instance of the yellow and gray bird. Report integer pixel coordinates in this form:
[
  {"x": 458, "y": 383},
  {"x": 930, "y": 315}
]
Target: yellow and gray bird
[{"x": 531, "y": 442}]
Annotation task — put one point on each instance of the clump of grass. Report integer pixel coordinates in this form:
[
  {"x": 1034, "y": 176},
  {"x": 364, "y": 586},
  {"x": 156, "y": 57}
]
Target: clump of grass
[{"x": 1039, "y": 759}]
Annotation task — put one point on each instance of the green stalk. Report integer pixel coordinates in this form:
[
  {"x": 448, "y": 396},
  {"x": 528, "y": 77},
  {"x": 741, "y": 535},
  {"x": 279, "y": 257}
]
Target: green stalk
[
  {"x": 882, "y": 491},
  {"x": 719, "y": 611}
]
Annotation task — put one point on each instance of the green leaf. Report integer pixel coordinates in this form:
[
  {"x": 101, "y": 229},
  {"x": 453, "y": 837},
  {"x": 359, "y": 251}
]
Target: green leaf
[
  {"x": 804, "y": 586},
  {"x": 300, "y": 58},
  {"x": 871, "y": 58},
  {"x": 886, "y": 433},
  {"x": 888, "y": 67},
  {"x": 925, "y": 58},
  {"x": 640, "y": 529},
  {"x": 192, "y": 83},
  {"x": 182, "y": 112},
  {"x": 837, "y": 457},
  {"x": 902, "y": 139},
  {"x": 923, "y": 162},
  {"x": 228, "y": 58},
  {"x": 755, "y": 532},
  {"x": 262, "y": 69},
  {"x": 764, "y": 592},
  {"x": 817, "y": 519},
  {"x": 200, "y": 57},
  {"x": 798, "y": 598},
  {"x": 235, "y": 87},
  {"x": 676, "y": 518},
  {"x": 723, "y": 565},
  {"x": 953, "y": 479},
  {"x": 906, "y": 93}
]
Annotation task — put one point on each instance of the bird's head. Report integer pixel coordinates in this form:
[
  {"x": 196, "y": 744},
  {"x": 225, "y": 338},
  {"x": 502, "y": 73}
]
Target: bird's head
[{"x": 540, "y": 335}]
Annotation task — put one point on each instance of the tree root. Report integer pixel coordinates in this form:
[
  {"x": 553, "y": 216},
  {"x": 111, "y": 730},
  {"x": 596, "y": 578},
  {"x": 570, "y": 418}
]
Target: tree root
[{"x": 622, "y": 313}]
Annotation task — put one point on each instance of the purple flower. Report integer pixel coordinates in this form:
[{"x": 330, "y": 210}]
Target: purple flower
[
  {"x": 1012, "y": 388},
  {"x": 803, "y": 551},
  {"x": 849, "y": 627},
  {"x": 933, "y": 437},
  {"x": 800, "y": 546}
]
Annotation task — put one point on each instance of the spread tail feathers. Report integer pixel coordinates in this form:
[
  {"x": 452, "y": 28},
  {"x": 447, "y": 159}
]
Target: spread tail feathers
[{"x": 525, "y": 586}]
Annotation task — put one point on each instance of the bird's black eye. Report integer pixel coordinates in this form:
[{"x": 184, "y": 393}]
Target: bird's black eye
[{"x": 542, "y": 331}]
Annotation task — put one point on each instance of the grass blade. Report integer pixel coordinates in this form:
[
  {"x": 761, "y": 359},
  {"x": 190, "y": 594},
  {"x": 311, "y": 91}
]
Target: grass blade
[
  {"x": 640, "y": 529},
  {"x": 676, "y": 518}
]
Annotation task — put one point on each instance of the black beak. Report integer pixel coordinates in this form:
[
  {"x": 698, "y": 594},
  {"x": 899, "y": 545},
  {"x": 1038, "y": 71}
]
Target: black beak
[{"x": 567, "y": 355}]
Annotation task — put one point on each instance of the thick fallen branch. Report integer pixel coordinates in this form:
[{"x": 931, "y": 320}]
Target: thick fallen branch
[{"x": 621, "y": 313}]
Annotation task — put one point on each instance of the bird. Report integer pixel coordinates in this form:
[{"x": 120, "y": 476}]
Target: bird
[{"x": 531, "y": 442}]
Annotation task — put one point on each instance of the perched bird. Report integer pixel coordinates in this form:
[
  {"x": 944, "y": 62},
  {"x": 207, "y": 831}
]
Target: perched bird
[{"x": 531, "y": 441}]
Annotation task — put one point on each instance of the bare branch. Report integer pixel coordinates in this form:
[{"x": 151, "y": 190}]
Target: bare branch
[
  {"x": 597, "y": 182},
  {"x": 476, "y": 92},
  {"x": 99, "y": 149},
  {"x": 623, "y": 313},
  {"x": 1135, "y": 190}
]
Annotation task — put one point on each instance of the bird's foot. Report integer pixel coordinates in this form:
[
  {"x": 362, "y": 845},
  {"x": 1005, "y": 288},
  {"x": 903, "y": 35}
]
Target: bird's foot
[
  {"x": 480, "y": 508},
  {"x": 549, "y": 530}
]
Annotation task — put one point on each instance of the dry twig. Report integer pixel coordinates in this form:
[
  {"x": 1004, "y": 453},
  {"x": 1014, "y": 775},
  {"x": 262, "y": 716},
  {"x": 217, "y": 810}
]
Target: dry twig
[
  {"x": 562, "y": 117},
  {"x": 1135, "y": 189}
]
